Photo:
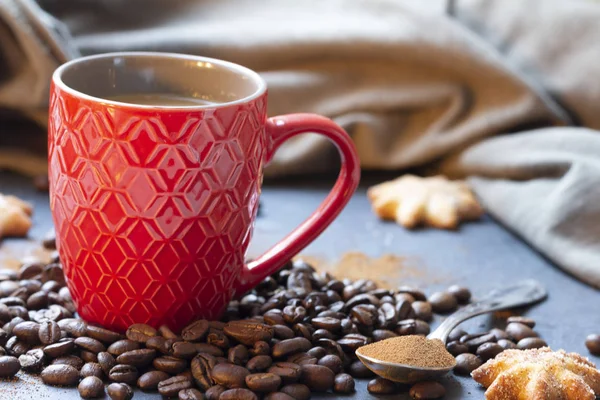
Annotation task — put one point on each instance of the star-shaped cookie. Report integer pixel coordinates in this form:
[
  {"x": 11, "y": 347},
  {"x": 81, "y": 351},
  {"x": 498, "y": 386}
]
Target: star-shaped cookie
[
  {"x": 14, "y": 216},
  {"x": 434, "y": 201}
]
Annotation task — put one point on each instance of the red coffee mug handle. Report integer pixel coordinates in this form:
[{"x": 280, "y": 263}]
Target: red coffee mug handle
[{"x": 278, "y": 130}]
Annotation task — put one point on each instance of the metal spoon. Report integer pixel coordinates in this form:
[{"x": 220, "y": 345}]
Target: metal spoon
[{"x": 521, "y": 294}]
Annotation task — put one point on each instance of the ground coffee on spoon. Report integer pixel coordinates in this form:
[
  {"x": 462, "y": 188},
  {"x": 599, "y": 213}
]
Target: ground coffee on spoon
[{"x": 411, "y": 350}]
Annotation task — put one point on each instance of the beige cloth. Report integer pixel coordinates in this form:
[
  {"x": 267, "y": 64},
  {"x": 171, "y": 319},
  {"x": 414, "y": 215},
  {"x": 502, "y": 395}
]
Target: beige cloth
[{"x": 415, "y": 83}]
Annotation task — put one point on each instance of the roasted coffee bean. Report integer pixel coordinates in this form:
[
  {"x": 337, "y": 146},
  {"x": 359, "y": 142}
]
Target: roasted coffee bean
[
  {"x": 150, "y": 380},
  {"x": 171, "y": 387},
  {"x": 158, "y": 343},
  {"x": 293, "y": 315},
  {"x": 123, "y": 373},
  {"x": 91, "y": 387},
  {"x": 291, "y": 346},
  {"x": 229, "y": 375},
  {"x": 414, "y": 292},
  {"x": 461, "y": 293},
  {"x": 422, "y": 310},
  {"x": 499, "y": 334},
  {"x": 381, "y": 386},
  {"x": 317, "y": 377},
  {"x": 106, "y": 361},
  {"x": 297, "y": 391},
  {"x": 32, "y": 286},
  {"x": 103, "y": 335},
  {"x": 32, "y": 361},
  {"x": 91, "y": 369},
  {"x": 30, "y": 270},
  {"x": 196, "y": 331},
  {"x": 333, "y": 362},
  {"x": 427, "y": 390},
  {"x": 301, "y": 359},
  {"x": 140, "y": 333},
  {"x": 137, "y": 358},
  {"x": 27, "y": 332},
  {"x": 122, "y": 346},
  {"x": 216, "y": 338},
  {"x": 519, "y": 331},
  {"x": 166, "y": 332},
  {"x": 4, "y": 313},
  {"x": 238, "y": 394},
  {"x": 170, "y": 365},
  {"x": 9, "y": 366},
  {"x": 53, "y": 272},
  {"x": 119, "y": 391},
  {"x": 88, "y": 356},
  {"x": 474, "y": 341},
  {"x": 353, "y": 341},
  {"x": 302, "y": 330},
  {"x": 406, "y": 327},
  {"x": 592, "y": 342},
  {"x": 260, "y": 348},
  {"x": 332, "y": 347},
  {"x": 49, "y": 332},
  {"x": 456, "y": 348},
  {"x": 74, "y": 327},
  {"x": 522, "y": 320},
  {"x": 238, "y": 355},
  {"x": 382, "y": 334},
  {"x": 283, "y": 332},
  {"x": 289, "y": 372},
  {"x": 60, "y": 375},
  {"x": 278, "y": 396},
  {"x": 89, "y": 344},
  {"x": 443, "y": 302},
  {"x": 204, "y": 348},
  {"x": 185, "y": 350},
  {"x": 506, "y": 344},
  {"x": 343, "y": 383},
  {"x": 531, "y": 343},
  {"x": 263, "y": 382},
  {"x": 59, "y": 349},
  {"x": 51, "y": 286},
  {"x": 37, "y": 300},
  {"x": 274, "y": 317},
  {"x": 16, "y": 347},
  {"x": 317, "y": 352},
  {"x": 248, "y": 332},
  {"x": 70, "y": 360},
  {"x": 466, "y": 363},
  {"x": 259, "y": 363},
  {"x": 322, "y": 334},
  {"x": 214, "y": 392},
  {"x": 489, "y": 350},
  {"x": 328, "y": 323},
  {"x": 19, "y": 311},
  {"x": 190, "y": 394},
  {"x": 387, "y": 316}
]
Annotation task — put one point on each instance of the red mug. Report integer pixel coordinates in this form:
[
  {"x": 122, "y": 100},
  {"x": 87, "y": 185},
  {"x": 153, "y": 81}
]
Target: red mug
[{"x": 154, "y": 205}]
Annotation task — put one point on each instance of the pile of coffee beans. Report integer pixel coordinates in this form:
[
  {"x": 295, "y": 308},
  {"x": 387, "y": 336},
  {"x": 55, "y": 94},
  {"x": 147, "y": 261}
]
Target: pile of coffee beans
[{"x": 295, "y": 334}]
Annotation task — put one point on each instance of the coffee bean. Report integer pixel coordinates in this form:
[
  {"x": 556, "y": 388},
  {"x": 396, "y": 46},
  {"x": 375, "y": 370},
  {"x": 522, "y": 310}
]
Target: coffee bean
[
  {"x": 170, "y": 365},
  {"x": 317, "y": 377},
  {"x": 456, "y": 348},
  {"x": 238, "y": 355},
  {"x": 103, "y": 335},
  {"x": 196, "y": 331},
  {"x": 91, "y": 369},
  {"x": 301, "y": 359},
  {"x": 51, "y": 286},
  {"x": 283, "y": 332},
  {"x": 30, "y": 270},
  {"x": 263, "y": 382},
  {"x": 302, "y": 330},
  {"x": 171, "y": 386},
  {"x": 443, "y": 302},
  {"x": 32, "y": 361},
  {"x": 506, "y": 344},
  {"x": 381, "y": 386},
  {"x": 260, "y": 348},
  {"x": 91, "y": 387},
  {"x": 205, "y": 348},
  {"x": 88, "y": 356},
  {"x": 427, "y": 390},
  {"x": 317, "y": 352},
  {"x": 229, "y": 375},
  {"x": 16, "y": 347},
  {"x": 333, "y": 362},
  {"x": 274, "y": 317},
  {"x": 278, "y": 396},
  {"x": 60, "y": 375},
  {"x": 248, "y": 332},
  {"x": 123, "y": 374},
  {"x": 474, "y": 341},
  {"x": 289, "y": 372},
  {"x": 531, "y": 343},
  {"x": 259, "y": 363},
  {"x": 9, "y": 366},
  {"x": 353, "y": 341},
  {"x": 382, "y": 334},
  {"x": 159, "y": 344},
  {"x": 238, "y": 394},
  {"x": 293, "y": 314},
  {"x": 343, "y": 383},
  {"x": 415, "y": 293},
  {"x": 519, "y": 331},
  {"x": 522, "y": 320},
  {"x": 74, "y": 327},
  {"x": 592, "y": 342},
  {"x": 489, "y": 350},
  {"x": 297, "y": 391},
  {"x": 37, "y": 301},
  {"x": 70, "y": 360},
  {"x": 137, "y": 358},
  {"x": 328, "y": 323},
  {"x": 190, "y": 394},
  {"x": 423, "y": 310},
  {"x": 150, "y": 380},
  {"x": 140, "y": 333},
  {"x": 461, "y": 293},
  {"x": 466, "y": 363},
  {"x": 89, "y": 344},
  {"x": 214, "y": 392},
  {"x": 119, "y": 391},
  {"x": 121, "y": 346},
  {"x": 499, "y": 334},
  {"x": 291, "y": 346},
  {"x": 27, "y": 332},
  {"x": 358, "y": 370},
  {"x": 106, "y": 361},
  {"x": 49, "y": 332},
  {"x": 185, "y": 350},
  {"x": 59, "y": 349},
  {"x": 201, "y": 368}
]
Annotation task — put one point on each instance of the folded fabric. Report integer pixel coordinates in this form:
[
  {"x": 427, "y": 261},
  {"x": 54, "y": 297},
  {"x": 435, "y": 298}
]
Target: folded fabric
[{"x": 483, "y": 88}]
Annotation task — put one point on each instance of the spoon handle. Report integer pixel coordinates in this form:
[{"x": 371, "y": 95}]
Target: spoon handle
[{"x": 520, "y": 294}]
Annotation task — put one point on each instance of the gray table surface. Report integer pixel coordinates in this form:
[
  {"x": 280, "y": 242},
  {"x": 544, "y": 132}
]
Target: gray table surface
[{"x": 480, "y": 255}]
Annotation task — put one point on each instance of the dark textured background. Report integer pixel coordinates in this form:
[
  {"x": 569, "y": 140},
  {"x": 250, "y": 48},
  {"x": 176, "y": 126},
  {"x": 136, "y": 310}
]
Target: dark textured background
[{"x": 480, "y": 255}]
